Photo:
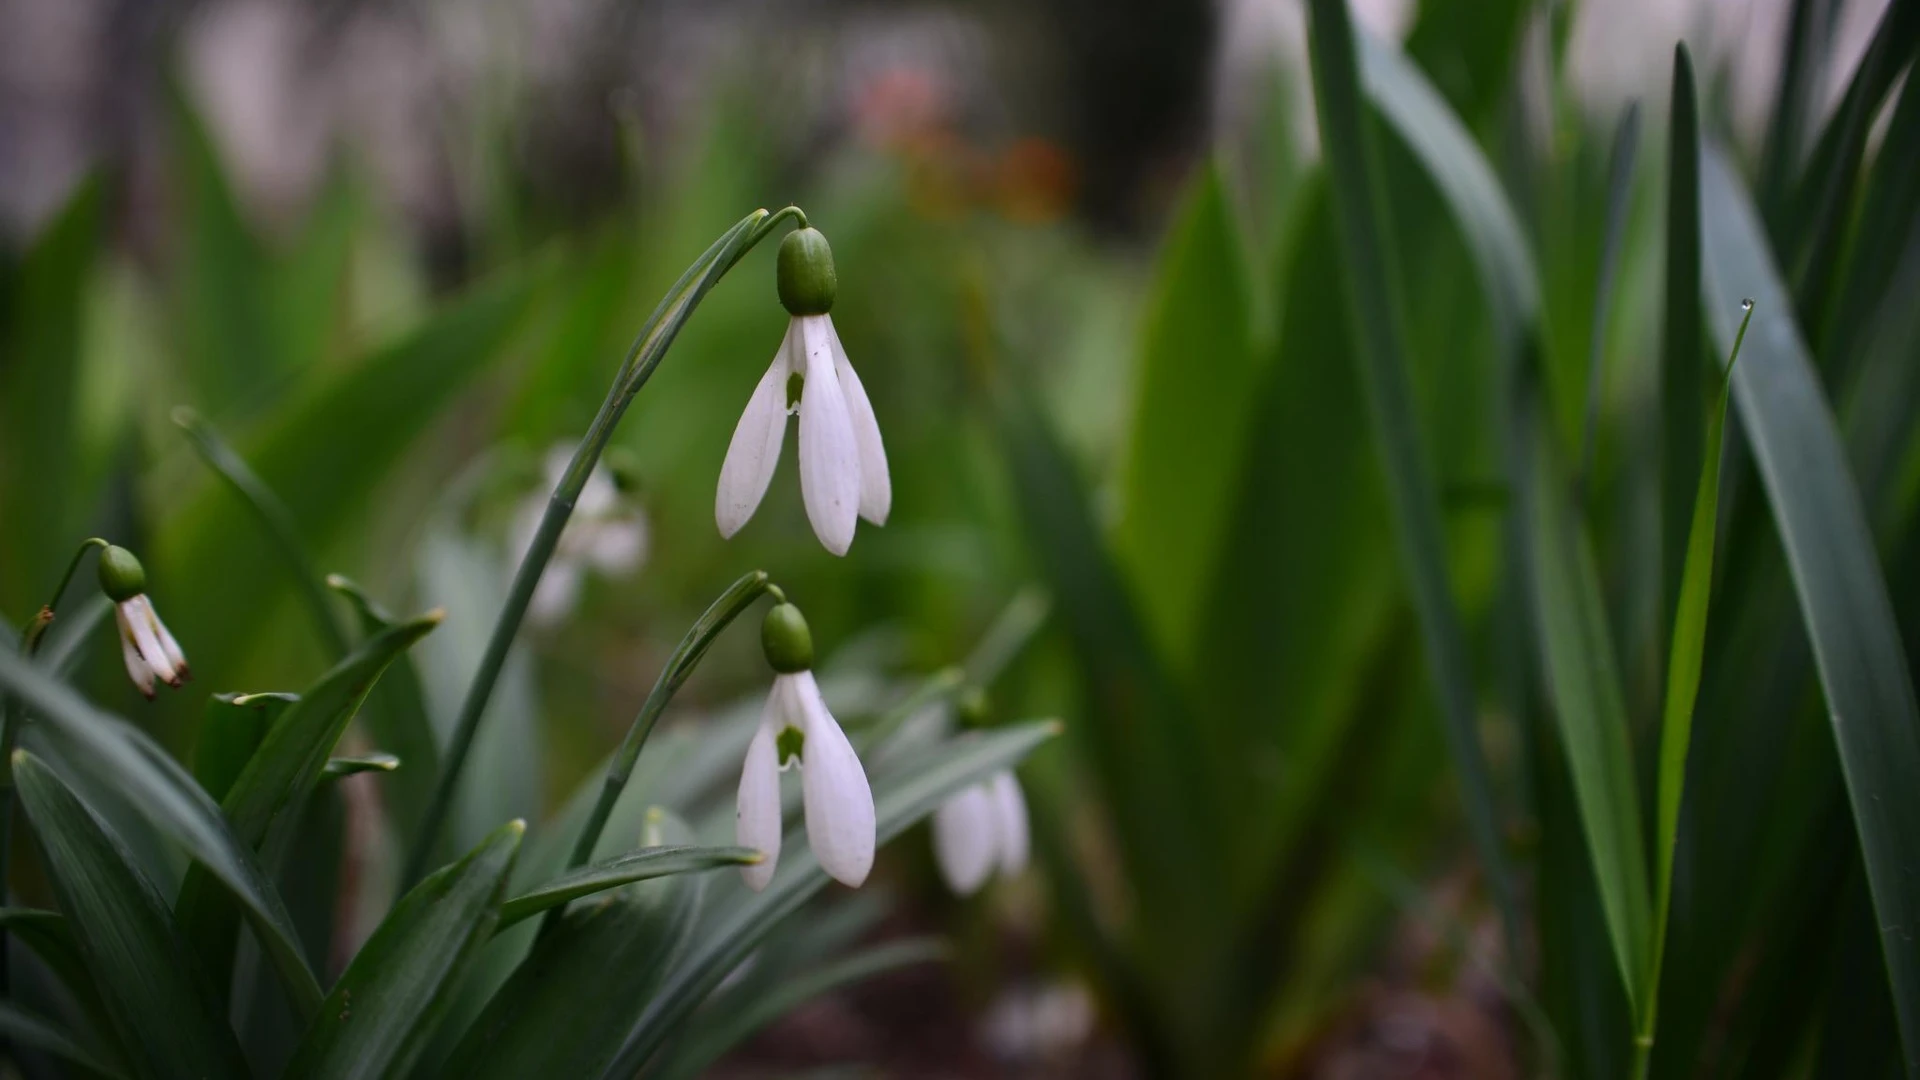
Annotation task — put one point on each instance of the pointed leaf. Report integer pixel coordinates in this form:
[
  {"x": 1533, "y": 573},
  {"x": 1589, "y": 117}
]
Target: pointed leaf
[
  {"x": 381, "y": 1013},
  {"x": 122, "y": 755},
  {"x": 621, "y": 870},
  {"x": 396, "y": 714},
  {"x": 335, "y": 768},
  {"x": 1836, "y": 573},
  {"x": 160, "y": 1000}
]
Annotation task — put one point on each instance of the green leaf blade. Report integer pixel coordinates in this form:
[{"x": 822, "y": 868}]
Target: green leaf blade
[
  {"x": 1836, "y": 573},
  {"x": 621, "y": 870},
  {"x": 160, "y": 1000},
  {"x": 378, "y": 1017}
]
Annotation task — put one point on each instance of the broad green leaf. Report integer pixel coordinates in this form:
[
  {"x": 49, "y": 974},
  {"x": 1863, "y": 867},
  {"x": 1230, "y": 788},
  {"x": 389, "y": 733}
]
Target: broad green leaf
[
  {"x": 264, "y": 802},
  {"x": 570, "y": 1003},
  {"x": 1682, "y": 344},
  {"x": 161, "y": 1002},
  {"x": 1167, "y": 821},
  {"x": 621, "y": 870},
  {"x": 380, "y": 1014},
  {"x": 26, "y": 1029},
  {"x": 1830, "y": 552},
  {"x": 1804, "y": 54},
  {"x": 231, "y": 730},
  {"x": 1686, "y": 655},
  {"x": 903, "y": 795},
  {"x": 1198, "y": 371},
  {"x": 710, "y": 1043},
  {"x": 121, "y": 755},
  {"x": 396, "y": 714},
  {"x": 1375, "y": 314},
  {"x": 1882, "y": 233},
  {"x": 1584, "y": 684}
]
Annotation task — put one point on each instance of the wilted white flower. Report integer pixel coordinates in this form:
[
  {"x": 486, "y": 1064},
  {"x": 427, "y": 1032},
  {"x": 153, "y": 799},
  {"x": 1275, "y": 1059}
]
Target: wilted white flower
[
  {"x": 980, "y": 830},
  {"x": 843, "y": 465},
  {"x": 607, "y": 532},
  {"x": 148, "y": 649},
  {"x": 796, "y": 729}
]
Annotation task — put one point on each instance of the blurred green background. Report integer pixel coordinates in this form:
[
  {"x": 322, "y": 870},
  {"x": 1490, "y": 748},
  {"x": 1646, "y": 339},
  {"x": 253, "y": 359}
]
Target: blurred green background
[{"x": 1091, "y": 276}]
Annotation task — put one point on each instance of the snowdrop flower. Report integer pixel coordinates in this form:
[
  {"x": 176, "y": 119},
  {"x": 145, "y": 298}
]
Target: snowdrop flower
[
  {"x": 843, "y": 466},
  {"x": 797, "y": 729},
  {"x": 149, "y": 650},
  {"x": 980, "y": 830},
  {"x": 607, "y": 533}
]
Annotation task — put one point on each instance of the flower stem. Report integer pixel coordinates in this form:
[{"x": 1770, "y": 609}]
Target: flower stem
[
  {"x": 645, "y": 355},
  {"x": 11, "y": 717},
  {"x": 729, "y": 606}
]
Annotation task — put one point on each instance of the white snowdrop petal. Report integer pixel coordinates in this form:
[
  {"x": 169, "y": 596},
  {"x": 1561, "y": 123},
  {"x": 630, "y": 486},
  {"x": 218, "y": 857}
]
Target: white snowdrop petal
[
  {"x": 876, "y": 489},
  {"x": 137, "y": 669},
  {"x": 140, "y": 620},
  {"x": 964, "y": 839},
  {"x": 755, "y": 448},
  {"x": 167, "y": 645},
  {"x": 1010, "y": 821},
  {"x": 833, "y": 785},
  {"x": 756, "y": 822},
  {"x": 829, "y": 459},
  {"x": 598, "y": 497},
  {"x": 557, "y": 594}
]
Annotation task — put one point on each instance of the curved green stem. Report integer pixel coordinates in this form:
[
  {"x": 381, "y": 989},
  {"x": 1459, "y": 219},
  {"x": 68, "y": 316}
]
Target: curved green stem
[
  {"x": 729, "y": 606},
  {"x": 655, "y": 337}
]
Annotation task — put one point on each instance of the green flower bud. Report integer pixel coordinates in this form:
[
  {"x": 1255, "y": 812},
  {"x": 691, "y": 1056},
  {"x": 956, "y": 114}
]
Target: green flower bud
[
  {"x": 786, "y": 640},
  {"x": 806, "y": 278},
  {"x": 121, "y": 576},
  {"x": 971, "y": 707}
]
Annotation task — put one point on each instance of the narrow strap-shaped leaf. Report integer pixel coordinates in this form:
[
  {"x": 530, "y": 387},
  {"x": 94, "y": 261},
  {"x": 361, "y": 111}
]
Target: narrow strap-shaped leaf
[
  {"x": 570, "y": 1003},
  {"x": 708, "y": 1043},
  {"x": 27, "y": 1029},
  {"x": 266, "y": 798},
  {"x": 1686, "y": 653},
  {"x": 380, "y": 1014},
  {"x": 1824, "y": 197},
  {"x": 621, "y": 870},
  {"x": 231, "y": 729},
  {"x": 161, "y": 1002},
  {"x": 1584, "y": 684},
  {"x": 903, "y": 795},
  {"x": 1412, "y": 494},
  {"x": 1626, "y": 146},
  {"x": 1836, "y": 574},
  {"x": 122, "y": 755},
  {"x": 1681, "y": 341}
]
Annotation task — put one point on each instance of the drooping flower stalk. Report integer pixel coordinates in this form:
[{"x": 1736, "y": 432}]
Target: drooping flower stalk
[
  {"x": 655, "y": 337},
  {"x": 730, "y": 604}
]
